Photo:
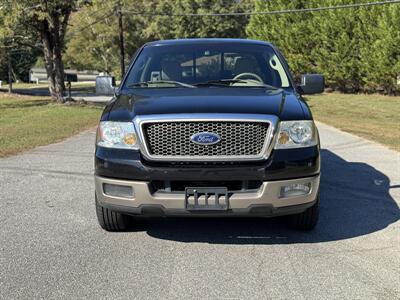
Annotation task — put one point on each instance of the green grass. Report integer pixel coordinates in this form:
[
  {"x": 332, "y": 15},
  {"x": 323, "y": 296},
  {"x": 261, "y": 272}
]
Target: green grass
[
  {"x": 25, "y": 85},
  {"x": 84, "y": 87},
  {"x": 374, "y": 117},
  {"x": 27, "y": 122}
]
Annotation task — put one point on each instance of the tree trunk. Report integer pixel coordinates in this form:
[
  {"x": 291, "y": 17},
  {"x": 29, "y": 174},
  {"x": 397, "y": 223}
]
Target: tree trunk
[
  {"x": 48, "y": 60},
  {"x": 10, "y": 80},
  {"x": 121, "y": 39},
  {"x": 59, "y": 74},
  {"x": 57, "y": 57},
  {"x": 53, "y": 42}
]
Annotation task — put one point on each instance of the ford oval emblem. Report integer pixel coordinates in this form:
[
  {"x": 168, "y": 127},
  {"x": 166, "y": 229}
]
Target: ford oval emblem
[{"x": 205, "y": 138}]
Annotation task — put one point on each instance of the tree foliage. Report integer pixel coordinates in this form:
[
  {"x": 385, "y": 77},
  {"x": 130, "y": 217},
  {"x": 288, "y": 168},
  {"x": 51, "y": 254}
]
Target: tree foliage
[
  {"x": 357, "y": 49},
  {"x": 19, "y": 44},
  {"x": 48, "y": 21},
  {"x": 93, "y": 37}
]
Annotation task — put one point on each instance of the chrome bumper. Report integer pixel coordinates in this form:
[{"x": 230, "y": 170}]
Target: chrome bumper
[{"x": 266, "y": 200}]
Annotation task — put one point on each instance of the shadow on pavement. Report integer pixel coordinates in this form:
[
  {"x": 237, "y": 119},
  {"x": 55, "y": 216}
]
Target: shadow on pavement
[{"x": 355, "y": 201}]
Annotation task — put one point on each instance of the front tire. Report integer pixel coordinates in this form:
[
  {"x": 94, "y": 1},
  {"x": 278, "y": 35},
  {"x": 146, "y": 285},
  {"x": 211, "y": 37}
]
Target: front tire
[
  {"x": 111, "y": 220},
  {"x": 306, "y": 220}
]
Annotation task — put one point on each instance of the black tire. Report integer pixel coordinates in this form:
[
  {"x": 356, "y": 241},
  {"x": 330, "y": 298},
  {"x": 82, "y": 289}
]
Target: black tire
[
  {"x": 305, "y": 220},
  {"x": 111, "y": 220}
]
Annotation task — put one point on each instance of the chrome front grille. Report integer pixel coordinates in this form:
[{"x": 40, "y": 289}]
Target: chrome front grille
[{"x": 239, "y": 139}]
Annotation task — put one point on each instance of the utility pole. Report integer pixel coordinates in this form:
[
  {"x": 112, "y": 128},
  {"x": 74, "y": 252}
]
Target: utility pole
[
  {"x": 10, "y": 90},
  {"x": 121, "y": 38}
]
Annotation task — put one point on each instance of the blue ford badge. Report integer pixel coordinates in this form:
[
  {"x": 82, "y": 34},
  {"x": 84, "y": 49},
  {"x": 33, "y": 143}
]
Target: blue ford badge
[{"x": 205, "y": 138}]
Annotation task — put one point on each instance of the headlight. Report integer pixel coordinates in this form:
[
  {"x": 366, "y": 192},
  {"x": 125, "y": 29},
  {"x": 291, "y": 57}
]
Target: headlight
[
  {"x": 120, "y": 135},
  {"x": 296, "y": 134}
]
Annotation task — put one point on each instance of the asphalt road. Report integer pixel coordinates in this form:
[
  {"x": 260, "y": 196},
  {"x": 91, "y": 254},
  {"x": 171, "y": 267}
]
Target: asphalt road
[{"x": 52, "y": 247}]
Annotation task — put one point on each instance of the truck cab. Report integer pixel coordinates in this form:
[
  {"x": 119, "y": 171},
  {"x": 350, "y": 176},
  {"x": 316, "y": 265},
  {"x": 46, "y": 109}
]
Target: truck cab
[{"x": 208, "y": 128}]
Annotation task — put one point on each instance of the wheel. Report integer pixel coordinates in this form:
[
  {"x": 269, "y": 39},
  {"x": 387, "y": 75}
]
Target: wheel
[
  {"x": 305, "y": 220},
  {"x": 111, "y": 220}
]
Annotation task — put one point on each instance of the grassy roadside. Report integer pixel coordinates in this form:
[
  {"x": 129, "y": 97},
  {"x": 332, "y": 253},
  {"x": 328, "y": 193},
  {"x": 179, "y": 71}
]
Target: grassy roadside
[
  {"x": 27, "y": 122},
  {"x": 83, "y": 87},
  {"x": 374, "y": 117},
  {"x": 25, "y": 85}
]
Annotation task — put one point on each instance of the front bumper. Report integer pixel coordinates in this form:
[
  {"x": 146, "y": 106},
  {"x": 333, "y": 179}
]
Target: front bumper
[
  {"x": 281, "y": 165},
  {"x": 266, "y": 201}
]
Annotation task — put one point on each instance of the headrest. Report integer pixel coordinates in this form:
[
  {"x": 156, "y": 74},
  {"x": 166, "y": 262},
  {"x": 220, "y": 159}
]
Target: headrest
[
  {"x": 246, "y": 65},
  {"x": 171, "y": 70}
]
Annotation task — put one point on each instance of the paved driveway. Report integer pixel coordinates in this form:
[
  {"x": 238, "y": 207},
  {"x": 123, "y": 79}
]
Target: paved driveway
[{"x": 52, "y": 247}]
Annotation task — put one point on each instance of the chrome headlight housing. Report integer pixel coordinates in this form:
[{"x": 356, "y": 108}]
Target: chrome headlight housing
[
  {"x": 296, "y": 134},
  {"x": 120, "y": 135}
]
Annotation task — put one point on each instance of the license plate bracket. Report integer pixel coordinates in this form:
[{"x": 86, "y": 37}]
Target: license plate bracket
[{"x": 206, "y": 199}]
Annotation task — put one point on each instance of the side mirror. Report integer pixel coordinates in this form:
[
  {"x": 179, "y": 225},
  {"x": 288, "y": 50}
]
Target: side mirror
[
  {"x": 312, "y": 84},
  {"x": 105, "y": 85}
]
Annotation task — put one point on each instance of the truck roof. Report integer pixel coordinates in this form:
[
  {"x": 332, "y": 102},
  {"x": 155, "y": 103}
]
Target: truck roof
[{"x": 207, "y": 41}]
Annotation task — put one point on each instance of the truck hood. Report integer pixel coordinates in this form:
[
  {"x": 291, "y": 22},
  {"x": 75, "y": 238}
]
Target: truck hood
[{"x": 148, "y": 101}]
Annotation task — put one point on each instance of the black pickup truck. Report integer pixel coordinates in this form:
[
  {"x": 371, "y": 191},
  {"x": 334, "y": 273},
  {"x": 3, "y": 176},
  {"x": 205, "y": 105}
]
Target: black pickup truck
[{"x": 208, "y": 127}]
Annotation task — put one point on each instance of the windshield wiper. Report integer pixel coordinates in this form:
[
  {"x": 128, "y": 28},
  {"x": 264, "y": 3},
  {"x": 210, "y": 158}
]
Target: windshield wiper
[
  {"x": 227, "y": 82},
  {"x": 149, "y": 83},
  {"x": 223, "y": 82}
]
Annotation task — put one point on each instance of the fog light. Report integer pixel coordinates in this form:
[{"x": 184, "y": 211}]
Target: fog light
[
  {"x": 114, "y": 190},
  {"x": 297, "y": 189}
]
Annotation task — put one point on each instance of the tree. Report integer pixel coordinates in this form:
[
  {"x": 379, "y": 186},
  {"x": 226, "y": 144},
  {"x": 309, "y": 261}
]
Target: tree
[
  {"x": 22, "y": 60},
  {"x": 357, "y": 49},
  {"x": 382, "y": 57},
  {"x": 93, "y": 38},
  {"x": 19, "y": 49},
  {"x": 292, "y": 33},
  {"x": 48, "y": 20},
  {"x": 167, "y": 27},
  {"x": 92, "y": 44}
]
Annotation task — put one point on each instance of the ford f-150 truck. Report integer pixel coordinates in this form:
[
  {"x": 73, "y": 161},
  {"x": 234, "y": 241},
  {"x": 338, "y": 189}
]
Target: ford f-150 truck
[{"x": 208, "y": 127}]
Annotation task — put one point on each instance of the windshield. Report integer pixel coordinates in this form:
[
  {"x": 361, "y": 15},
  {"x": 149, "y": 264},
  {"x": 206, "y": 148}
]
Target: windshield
[{"x": 233, "y": 65}]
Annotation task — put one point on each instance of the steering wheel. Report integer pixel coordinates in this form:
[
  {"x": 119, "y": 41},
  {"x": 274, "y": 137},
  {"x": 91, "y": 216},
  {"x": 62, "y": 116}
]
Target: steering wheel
[{"x": 258, "y": 78}]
